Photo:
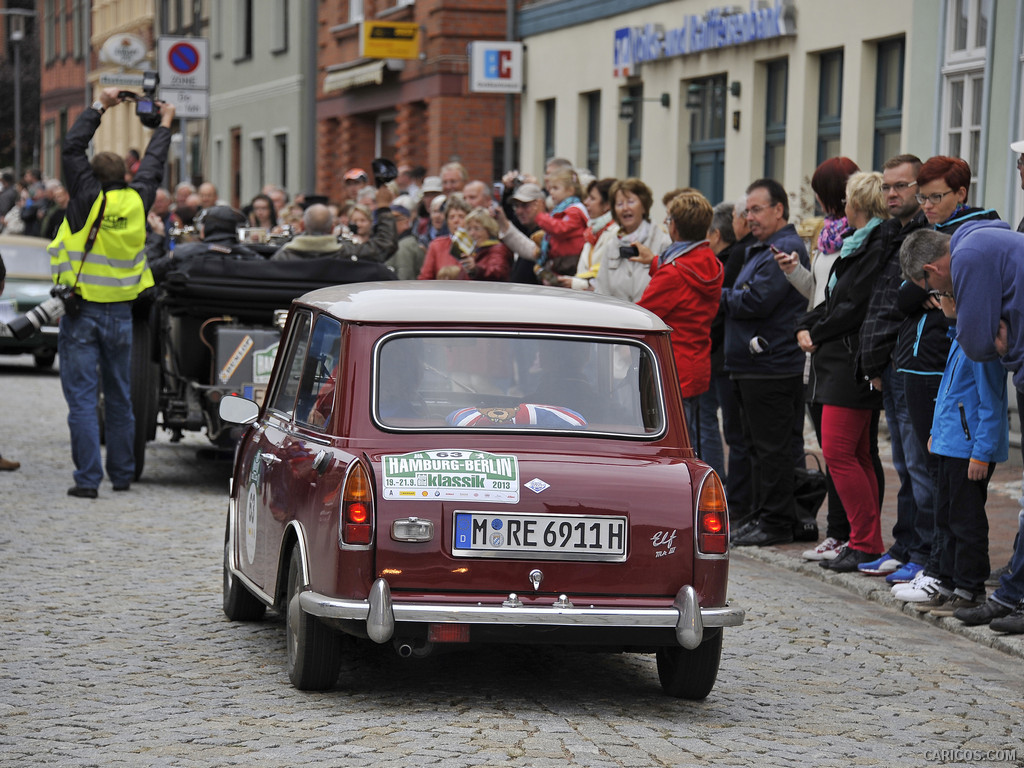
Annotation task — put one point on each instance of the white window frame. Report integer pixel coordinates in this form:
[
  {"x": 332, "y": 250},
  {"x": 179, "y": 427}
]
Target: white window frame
[{"x": 970, "y": 52}]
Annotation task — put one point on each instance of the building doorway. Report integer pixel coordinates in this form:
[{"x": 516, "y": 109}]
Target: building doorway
[{"x": 706, "y": 98}]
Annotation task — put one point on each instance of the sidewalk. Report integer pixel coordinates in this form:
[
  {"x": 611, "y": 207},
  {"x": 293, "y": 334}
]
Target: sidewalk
[{"x": 1003, "y": 493}]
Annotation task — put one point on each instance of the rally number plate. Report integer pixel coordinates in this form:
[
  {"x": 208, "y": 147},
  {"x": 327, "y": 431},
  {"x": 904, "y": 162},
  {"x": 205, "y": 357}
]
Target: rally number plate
[{"x": 556, "y": 537}]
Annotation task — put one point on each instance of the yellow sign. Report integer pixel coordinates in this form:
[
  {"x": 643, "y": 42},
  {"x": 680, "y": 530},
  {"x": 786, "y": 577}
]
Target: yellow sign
[{"x": 390, "y": 40}]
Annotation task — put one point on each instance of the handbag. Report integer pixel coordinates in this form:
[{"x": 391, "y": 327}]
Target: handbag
[{"x": 809, "y": 491}]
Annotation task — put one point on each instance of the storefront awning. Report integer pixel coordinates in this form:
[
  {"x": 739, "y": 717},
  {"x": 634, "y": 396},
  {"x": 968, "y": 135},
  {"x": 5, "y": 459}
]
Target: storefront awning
[{"x": 371, "y": 73}]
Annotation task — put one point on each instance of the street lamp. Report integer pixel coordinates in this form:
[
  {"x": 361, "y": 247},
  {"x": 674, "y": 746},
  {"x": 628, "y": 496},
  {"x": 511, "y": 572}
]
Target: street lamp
[{"x": 17, "y": 24}]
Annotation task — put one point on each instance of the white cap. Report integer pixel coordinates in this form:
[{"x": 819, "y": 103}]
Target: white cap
[{"x": 1018, "y": 147}]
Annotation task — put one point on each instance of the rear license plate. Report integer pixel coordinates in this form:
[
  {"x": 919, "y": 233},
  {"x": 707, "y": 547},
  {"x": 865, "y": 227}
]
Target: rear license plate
[{"x": 556, "y": 537}]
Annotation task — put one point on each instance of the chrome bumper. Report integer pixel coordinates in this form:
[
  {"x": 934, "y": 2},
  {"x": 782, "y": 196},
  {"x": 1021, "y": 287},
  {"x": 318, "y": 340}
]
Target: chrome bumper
[{"x": 381, "y": 614}]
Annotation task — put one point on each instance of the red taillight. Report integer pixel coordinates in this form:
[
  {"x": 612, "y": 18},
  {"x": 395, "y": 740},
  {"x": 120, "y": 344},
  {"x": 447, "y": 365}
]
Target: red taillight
[
  {"x": 712, "y": 517},
  {"x": 448, "y": 633},
  {"x": 356, "y": 508}
]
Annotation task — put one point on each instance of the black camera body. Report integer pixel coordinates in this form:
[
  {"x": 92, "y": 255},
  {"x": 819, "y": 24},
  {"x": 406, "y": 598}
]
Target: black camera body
[
  {"x": 147, "y": 108},
  {"x": 384, "y": 171},
  {"x": 628, "y": 251}
]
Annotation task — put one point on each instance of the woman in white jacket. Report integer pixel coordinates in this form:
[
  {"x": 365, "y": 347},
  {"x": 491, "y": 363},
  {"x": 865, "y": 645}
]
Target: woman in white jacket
[{"x": 620, "y": 275}]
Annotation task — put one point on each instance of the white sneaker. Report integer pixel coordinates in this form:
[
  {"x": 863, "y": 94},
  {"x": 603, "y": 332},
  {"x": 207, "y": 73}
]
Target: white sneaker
[
  {"x": 827, "y": 550},
  {"x": 922, "y": 593},
  {"x": 914, "y": 583}
]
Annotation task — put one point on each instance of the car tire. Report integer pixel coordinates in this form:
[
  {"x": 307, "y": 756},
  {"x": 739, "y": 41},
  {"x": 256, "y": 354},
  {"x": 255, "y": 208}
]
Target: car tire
[
  {"x": 690, "y": 674},
  {"x": 44, "y": 360},
  {"x": 145, "y": 383},
  {"x": 314, "y": 653},
  {"x": 239, "y": 603}
]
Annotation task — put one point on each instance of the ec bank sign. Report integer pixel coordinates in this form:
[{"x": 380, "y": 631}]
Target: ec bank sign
[
  {"x": 496, "y": 67},
  {"x": 718, "y": 28}
]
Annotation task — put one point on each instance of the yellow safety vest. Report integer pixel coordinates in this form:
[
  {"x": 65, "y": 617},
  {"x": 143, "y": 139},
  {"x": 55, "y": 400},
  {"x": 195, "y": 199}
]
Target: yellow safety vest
[{"x": 115, "y": 268}]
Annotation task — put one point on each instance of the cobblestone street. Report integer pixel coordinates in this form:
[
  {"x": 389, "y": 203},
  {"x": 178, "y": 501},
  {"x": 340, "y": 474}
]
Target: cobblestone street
[{"x": 114, "y": 651}]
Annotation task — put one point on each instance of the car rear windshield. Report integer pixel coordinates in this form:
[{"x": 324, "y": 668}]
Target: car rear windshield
[{"x": 523, "y": 383}]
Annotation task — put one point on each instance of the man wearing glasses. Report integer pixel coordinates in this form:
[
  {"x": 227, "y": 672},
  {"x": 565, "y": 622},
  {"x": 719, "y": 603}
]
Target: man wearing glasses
[{"x": 765, "y": 362}]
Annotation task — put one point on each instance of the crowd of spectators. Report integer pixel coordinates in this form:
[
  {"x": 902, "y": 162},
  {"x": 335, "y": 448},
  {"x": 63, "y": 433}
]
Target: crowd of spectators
[{"x": 843, "y": 322}]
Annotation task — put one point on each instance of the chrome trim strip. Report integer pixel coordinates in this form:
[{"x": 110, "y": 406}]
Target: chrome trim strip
[{"x": 383, "y": 615}]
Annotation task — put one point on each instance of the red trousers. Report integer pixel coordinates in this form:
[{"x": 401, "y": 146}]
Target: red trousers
[{"x": 845, "y": 443}]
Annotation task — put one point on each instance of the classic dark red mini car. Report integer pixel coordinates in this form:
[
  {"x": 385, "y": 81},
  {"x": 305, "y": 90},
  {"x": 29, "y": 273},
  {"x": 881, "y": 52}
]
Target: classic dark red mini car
[{"x": 443, "y": 463}]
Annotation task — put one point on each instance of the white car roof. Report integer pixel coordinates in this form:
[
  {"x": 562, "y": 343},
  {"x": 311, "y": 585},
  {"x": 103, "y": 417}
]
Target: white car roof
[{"x": 461, "y": 301}]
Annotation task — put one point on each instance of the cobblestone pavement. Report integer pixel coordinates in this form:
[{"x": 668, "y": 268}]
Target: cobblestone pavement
[{"x": 114, "y": 652}]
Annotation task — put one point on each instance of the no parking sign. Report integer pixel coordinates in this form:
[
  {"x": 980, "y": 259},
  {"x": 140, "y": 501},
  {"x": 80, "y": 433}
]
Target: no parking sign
[{"x": 185, "y": 74}]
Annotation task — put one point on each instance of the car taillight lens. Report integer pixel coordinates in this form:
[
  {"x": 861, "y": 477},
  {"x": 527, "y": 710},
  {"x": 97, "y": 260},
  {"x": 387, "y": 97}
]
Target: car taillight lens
[
  {"x": 712, "y": 517},
  {"x": 356, "y": 523}
]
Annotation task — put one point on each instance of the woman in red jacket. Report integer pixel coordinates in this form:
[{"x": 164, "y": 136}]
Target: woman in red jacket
[
  {"x": 685, "y": 289},
  {"x": 439, "y": 253}
]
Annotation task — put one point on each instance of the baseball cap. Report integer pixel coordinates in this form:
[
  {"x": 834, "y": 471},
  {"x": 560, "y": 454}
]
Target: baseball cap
[
  {"x": 1018, "y": 147},
  {"x": 527, "y": 193},
  {"x": 356, "y": 174},
  {"x": 431, "y": 184},
  {"x": 401, "y": 210},
  {"x": 221, "y": 220}
]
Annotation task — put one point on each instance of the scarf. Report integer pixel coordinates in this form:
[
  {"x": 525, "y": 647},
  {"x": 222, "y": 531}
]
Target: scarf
[
  {"x": 545, "y": 244},
  {"x": 638, "y": 235},
  {"x": 850, "y": 244},
  {"x": 597, "y": 226},
  {"x": 831, "y": 238},
  {"x": 677, "y": 249}
]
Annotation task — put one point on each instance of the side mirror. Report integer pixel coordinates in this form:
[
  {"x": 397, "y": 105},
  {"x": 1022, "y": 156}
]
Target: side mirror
[{"x": 238, "y": 410}]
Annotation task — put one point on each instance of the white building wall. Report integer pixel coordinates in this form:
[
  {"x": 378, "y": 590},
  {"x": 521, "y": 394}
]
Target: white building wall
[{"x": 565, "y": 63}]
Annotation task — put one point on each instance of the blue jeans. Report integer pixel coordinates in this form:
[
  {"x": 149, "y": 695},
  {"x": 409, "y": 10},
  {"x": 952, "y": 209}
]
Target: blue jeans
[
  {"x": 920, "y": 390},
  {"x": 710, "y": 448},
  {"x": 1011, "y": 584},
  {"x": 95, "y": 346},
  {"x": 906, "y": 536}
]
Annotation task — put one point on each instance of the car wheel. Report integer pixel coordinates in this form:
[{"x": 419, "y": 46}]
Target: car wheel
[
  {"x": 145, "y": 382},
  {"x": 690, "y": 674},
  {"x": 45, "y": 359},
  {"x": 314, "y": 653},
  {"x": 239, "y": 603}
]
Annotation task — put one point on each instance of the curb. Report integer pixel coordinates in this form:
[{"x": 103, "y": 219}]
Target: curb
[{"x": 875, "y": 589}]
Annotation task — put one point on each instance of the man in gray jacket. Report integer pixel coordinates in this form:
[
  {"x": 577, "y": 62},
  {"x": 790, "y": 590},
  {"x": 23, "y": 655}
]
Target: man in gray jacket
[{"x": 318, "y": 240}]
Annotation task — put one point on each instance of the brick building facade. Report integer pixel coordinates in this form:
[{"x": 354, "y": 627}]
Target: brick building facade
[
  {"x": 64, "y": 43},
  {"x": 414, "y": 111}
]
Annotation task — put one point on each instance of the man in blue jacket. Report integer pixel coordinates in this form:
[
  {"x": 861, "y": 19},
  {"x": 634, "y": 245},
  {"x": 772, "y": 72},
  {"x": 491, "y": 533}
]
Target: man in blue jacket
[
  {"x": 982, "y": 266},
  {"x": 765, "y": 362}
]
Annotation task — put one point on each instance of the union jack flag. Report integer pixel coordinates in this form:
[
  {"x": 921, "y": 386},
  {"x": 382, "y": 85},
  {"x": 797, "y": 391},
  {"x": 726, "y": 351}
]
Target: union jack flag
[{"x": 525, "y": 414}]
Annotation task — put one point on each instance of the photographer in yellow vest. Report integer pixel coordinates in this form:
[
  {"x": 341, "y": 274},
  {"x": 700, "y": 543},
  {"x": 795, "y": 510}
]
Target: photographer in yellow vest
[{"x": 98, "y": 262}]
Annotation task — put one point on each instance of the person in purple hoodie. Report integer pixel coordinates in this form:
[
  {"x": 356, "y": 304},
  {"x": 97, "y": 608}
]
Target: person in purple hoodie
[{"x": 982, "y": 266}]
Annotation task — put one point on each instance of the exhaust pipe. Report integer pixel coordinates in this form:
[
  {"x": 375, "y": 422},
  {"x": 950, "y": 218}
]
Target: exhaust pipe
[{"x": 407, "y": 649}]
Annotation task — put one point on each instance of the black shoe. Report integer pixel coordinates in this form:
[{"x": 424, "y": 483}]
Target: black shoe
[
  {"x": 82, "y": 493},
  {"x": 839, "y": 553},
  {"x": 742, "y": 530},
  {"x": 1012, "y": 623},
  {"x": 848, "y": 561},
  {"x": 758, "y": 537},
  {"x": 982, "y": 614},
  {"x": 124, "y": 487}
]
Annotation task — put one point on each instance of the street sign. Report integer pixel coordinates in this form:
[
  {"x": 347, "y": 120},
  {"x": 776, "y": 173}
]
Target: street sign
[
  {"x": 389, "y": 40},
  {"x": 495, "y": 67},
  {"x": 123, "y": 80},
  {"x": 188, "y": 102},
  {"x": 184, "y": 62}
]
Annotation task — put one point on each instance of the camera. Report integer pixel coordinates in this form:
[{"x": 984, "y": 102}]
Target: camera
[
  {"x": 63, "y": 301},
  {"x": 147, "y": 108},
  {"x": 628, "y": 251},
  {"x": 758, "y": 346}
]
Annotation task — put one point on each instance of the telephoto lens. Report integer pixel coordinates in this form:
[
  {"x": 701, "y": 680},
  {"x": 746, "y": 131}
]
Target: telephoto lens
[{"x": 45, "y": 313}]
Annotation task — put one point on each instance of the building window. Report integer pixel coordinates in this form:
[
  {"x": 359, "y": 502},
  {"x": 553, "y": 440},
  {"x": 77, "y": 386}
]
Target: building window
[
  {"x": 62, "y": 30},
  {"x": 964, "y": 82},
  {"x": 775, "y": 119},
  {"x": 281, "y": 147},
  {"x": 49, "y": 148},
  {"x": 707, "y": 137},
  {"x": 634, "y": 135},
  {"x": 259, "y": 163},
  {"x": 49, "y": 30},
  {"x": 355, "y": 11},
  {"x": 593, "y": 131},
  {"x": 547, "y": 111},
  {"x": 77, "y": 32},
  {"x": 386, "y": 135},
  {"x": 216, "y": 30},
  {"x": 830, "y": 104},
  {"x": 279, "y": 41},
  {"x": 243, "y": 30},
  {"x": 888, "y": 101}
]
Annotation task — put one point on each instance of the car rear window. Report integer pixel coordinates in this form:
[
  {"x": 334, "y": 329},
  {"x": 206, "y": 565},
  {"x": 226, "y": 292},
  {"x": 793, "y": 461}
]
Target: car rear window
[{"x": 521, "y": 382}]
